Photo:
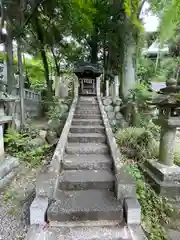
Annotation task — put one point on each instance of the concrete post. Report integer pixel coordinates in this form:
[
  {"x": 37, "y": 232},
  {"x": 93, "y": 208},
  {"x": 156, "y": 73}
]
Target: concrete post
[
  {"x": 1, "y": 141},
  {"x": 98, "y": 86},
  {"x": 107, "y": 88},
  {"x": 57, "y": 83},
  {"x": 21, "y": 84},
  {"x": 116, "y": 86},
  {"x": 167, "y": 145},
  {"x": 76, "y": 86}
]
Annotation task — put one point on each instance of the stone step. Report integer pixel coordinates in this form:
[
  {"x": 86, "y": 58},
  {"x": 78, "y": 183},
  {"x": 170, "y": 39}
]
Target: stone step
[
  {"x": 87, "y": 137},
  {"x": 87, "y": 111},
  {"x": 85, "y": 205},
  {"x": 86, "y": 148},
  {"x": 87, "y": 129},
  {"x": 87, "y": 122},
  {"x": 89, "y": 161},
  {"x": 86, "y": 179},
  {"x": 64, "y": 232},
  {"x": 84, "y": 107},
  {"x": 84, "y": 102},
  {"x": 88, "y": 98},
  {"x": 88, "y": 105},
  {"x": 88, "y": 116}
]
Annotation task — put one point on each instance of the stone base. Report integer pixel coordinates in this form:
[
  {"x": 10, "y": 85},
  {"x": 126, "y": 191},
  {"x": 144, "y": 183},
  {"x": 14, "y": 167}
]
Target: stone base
[
  {"x": 165, "y": 180},
  {"x": 125, "y": 187}
]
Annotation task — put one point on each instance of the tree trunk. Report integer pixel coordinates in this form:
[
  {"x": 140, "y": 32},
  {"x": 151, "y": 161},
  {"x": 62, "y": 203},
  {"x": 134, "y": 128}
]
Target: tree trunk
[
  {"x": 44, "y": 58},
  {"x": 128, "y": 79},
  {"x": 10, "y": 66},
  {"x": 46, "y": 72},
  {"x": 56, "y": 63},
  {"x": 94, "y": 48},
  {"x": 21, "y": 84}
]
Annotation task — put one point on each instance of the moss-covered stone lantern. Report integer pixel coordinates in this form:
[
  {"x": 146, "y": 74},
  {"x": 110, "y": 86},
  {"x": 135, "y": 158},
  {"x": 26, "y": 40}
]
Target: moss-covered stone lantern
[{"x": 165, "y": 175}]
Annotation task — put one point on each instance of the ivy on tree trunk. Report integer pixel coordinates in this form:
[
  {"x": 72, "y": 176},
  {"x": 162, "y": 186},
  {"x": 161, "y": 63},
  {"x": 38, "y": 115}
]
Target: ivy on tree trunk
[{"x": 44, "y": 57}]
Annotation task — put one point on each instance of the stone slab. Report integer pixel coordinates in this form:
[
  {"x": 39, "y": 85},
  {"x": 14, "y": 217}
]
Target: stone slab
[
  {"x": 45, "y": 184},
  {"x": 87, "y": 122},
  {"x": 164, "y": 172},
  {"x": 7, "y": 165},
  {"x": 87, "y": 111},
  {"x": 85, "y": 205},
  {"x": 38, "y": 211},
  {"x": 167, "y": 188},
  {"x": 86, "y": 148},
  {"x": 87, "y": 137},
  {"x": 132, "y": 211},
  {"x": 124, "y": 185},
  {"x": 40, "y": 233},
  {"x": 173, "y": 234},
  {"x": 114, "y": 232},
  {"x": 8, "y": 178},
  {"x": 86, "y": 179},
  {"x": 5, "y": 119},
  {"x": 87, "y": 116},
  {"x": 137, "y": 232},
  {"x": 87, "y": 161},
  {"x": 87, "y": 129}
]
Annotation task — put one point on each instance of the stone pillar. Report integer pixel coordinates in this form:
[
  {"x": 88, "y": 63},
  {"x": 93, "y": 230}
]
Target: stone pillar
[
  {"x": 76, "y": 86},
  {"x": 107, "y": 88},
  {"x": 116, "y": 86},
  {"x": 167, "y": 145},
  {"x": 98, "y": 86},
  {"x": 111, "y": 90},
  {"x": 57, "y": 83},
  {"x": 1, "y": 141}
]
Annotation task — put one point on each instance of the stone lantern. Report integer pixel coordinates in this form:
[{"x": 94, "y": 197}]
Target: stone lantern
[{"x": 164, "y": 174}]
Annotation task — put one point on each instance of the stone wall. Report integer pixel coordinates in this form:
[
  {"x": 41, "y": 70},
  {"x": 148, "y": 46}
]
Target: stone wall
[{"x": 113, "y": 110}]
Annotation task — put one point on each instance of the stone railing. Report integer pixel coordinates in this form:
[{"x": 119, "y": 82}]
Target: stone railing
[
  {"x": 28, "y": 94},
  {"x": 32, "y": 101}
]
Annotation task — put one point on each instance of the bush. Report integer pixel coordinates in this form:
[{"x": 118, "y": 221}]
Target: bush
[
  {"x": 58, "y": 109},
  {"x": 144, "y": 69},
  {"x": 19, "y": 145},
  {"x": 139, "y": 139},
  {"x": 156, "y": 210}
]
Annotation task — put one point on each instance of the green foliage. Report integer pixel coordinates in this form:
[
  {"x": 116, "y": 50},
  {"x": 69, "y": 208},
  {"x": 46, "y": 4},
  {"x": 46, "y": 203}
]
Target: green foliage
[
  {"x": 144, "y": 69},
  {"x": 20, "y": 145},
  {"x": 35, "y": 71},
  {"x": 156, "y": 210},
  {"x": 141, "y": 113},
  {"x": 167, "y": 69},
  {"x": 58, "y": 108},
  {"x": 139, "y": 139}
]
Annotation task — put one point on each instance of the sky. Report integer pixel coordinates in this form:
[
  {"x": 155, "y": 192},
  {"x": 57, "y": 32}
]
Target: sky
[{"x": 151, "y": 22}]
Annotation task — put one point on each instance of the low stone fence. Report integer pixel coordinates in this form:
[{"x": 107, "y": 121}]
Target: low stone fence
[{"x": 32, "y": 103}]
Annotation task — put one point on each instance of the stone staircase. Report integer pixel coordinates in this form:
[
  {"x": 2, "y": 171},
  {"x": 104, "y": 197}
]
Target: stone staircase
[{"x": 85, "y": 203}]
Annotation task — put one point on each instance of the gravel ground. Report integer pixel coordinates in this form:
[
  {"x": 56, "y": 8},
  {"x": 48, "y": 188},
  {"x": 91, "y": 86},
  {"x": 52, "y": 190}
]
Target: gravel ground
[
  {"x": 12, "y": 224},
  {"x": 12, "y": 218}
]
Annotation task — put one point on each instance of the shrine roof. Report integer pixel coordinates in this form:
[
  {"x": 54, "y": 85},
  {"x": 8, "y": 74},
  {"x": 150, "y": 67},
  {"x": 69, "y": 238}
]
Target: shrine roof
[{"x": 81, "y": 68}]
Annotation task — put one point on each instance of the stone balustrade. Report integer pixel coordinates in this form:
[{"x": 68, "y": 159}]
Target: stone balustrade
[{"x": 28, "y": 94}]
